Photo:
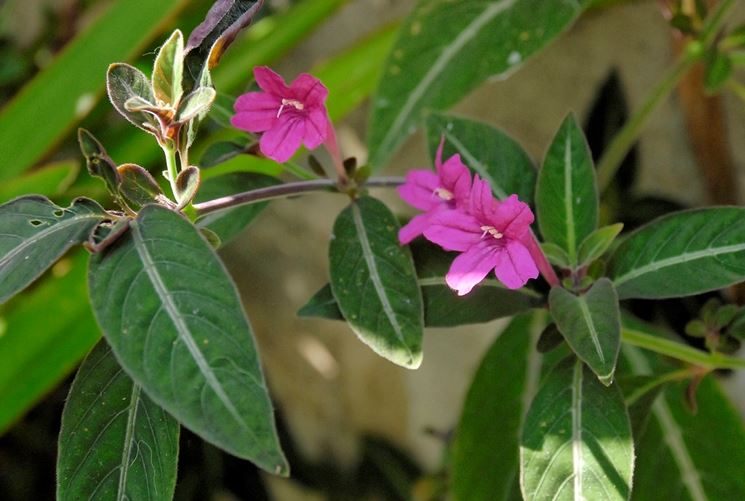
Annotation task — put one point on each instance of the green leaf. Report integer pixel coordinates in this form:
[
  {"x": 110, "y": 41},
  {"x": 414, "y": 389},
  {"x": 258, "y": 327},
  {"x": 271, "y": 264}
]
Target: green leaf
[
  {"x": 718, "y": 70},
  {"x": 485, "y": 458},
  {"x": 487, "y": 151},
  {"x": 125, "y": 83},
  {"x": 683, "y": 455},
  {"x": 597, "y": 242},
  {"x": 187, "y": 184},
  {"x": 591, "y": 324},
  {"x": 36, "y": 354},
  {"x": 228, "y": 223},
  {"x": 576, "y": 441},
  {"x": 682, "y": 254},
  {"x": 50, "y": 180},
  {"x": 374, "y": 281},
  {"x": 209, "y": 40},
  {"x": 566, "y": 193},
  {"x": 34, "y": 233},
  {"x": 63, "y": 93},
  {"x": 555, "y": 255},
  {"x": 172, "y": 316},
  {"x": 322, "y": 305},
  {"x": 137, "y": 186},
  {"x": 196, "y": 104},
  {"x": 115, "y": 443},
  {"x": 97, "y": 160},
  {"x": 168, "y": 70},
  {"x": 439, "y": 57},
  {"x": 221, "y": 152}
]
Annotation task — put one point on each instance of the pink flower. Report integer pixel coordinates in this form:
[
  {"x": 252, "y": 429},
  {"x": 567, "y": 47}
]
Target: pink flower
[
  {"x": 490, "y": 235},
  {"x": 432, "y": 192},
  {"x": 288, "y": 116}
]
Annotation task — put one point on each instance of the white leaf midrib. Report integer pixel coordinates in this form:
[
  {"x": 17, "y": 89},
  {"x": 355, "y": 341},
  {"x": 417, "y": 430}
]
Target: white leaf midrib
[
  {"x": 134, "y": 402},
  {"x": 578, "y": 465}
]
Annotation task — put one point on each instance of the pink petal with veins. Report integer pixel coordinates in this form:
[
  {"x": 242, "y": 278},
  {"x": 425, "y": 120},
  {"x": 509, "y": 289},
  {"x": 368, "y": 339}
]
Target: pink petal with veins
[
  {"x": 515, "y": 266},
  {"x": 454, "y": 230},
  {"x": 271, "y": 82},
  {"x": 309, "y": 90},
  {"x": 282, "y": 141},
  {"x": 419, "y": 189},
  {"x": 512, "y": 217},
  {"x": 256, "y": 112},
  {"x": 317, "y": 126},
  {"x": 471, "y": 267}
]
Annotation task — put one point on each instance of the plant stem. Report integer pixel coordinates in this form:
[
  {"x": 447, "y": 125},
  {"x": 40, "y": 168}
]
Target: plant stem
[
  {"x": 681, "y": 351},
  {"x": 172, "y": 169},
  {"x": 541, "y": 262},
  {"x": 284, "y": 190},
  {"x": 692, "y": 53},
  {"x": 668, "y": 377}
]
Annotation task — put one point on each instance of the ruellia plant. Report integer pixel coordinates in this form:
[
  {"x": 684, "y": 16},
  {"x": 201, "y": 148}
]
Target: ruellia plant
[{"x": 576, "y": 399}]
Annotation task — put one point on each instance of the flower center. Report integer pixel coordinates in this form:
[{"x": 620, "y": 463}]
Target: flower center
[
  {"x": 444, "y": 194},
  {"x": 290, "y": 102},
  {"x": 491, "y": 230}
]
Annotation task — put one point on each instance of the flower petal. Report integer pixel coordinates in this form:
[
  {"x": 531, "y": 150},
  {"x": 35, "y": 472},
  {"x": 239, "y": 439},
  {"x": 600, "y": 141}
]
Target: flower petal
[
  {"x": 456, "y": 178},
  {"x": 309, "y": 90},
  {"x": 316, "y": 128},
  {"x": 256, "y": 111},
  {"x": 419, "y": 189},
  {"x": 482, "y": 202},
  {"x": 454, "y": 230},
  {"x": 512, "y": 217},
  {"x": 472, "y": 267},
  {"x": 515, "y": 266},
  {"x": 282, "y": 141},
  {"x": 271, "y": 82},
  {"x": 413, "y": 228}
]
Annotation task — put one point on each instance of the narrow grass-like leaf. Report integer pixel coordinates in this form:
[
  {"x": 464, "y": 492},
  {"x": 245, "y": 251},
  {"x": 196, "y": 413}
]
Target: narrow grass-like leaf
[
  {"x": 36, "y": 354},
  {"x": 682, "y": 455},
  {"x": 168, "y": 70},
  {"x": 228, "y": 223},
  {"x": 374, "y": 281},
  {"x": 49, "y": 180},
  {"x": 682, "y": 254},
  {"x": 566, "y": 194},
  {"x": 485, "y": 452},
  {"x": 576, "y": 440},
  {"x": 34, "y": 233},
  {"x": 487, "y": 151},
  {"x": 591, "y": 324},
  {"x": 174, "y": 320},
  {"x": 63, "y": 93},
  {"x": 437, "y": 58},
  {"x": 115, "y": 443}
]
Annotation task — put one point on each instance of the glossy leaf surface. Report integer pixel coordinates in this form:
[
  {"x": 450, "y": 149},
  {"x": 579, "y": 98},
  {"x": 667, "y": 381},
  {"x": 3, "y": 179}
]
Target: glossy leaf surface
[
  {"x": 374, "y": 281},
  {"x": 682, "y": 254},
  {"x": 115, "y": 443},
  {"x": 576, "y": 441},
  {"x": 591, "y": 324},
  {"x": 438, "y": 58},
  {"x": 566, "y": 193},
  {"x": 34, "y": 233},
  {"x": 487, "y": 151},
  {"x": 173, "y": 318}
]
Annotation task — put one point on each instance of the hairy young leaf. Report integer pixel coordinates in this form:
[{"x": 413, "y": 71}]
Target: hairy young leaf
[
  {"x": 115, "y": 443},
  {"x": 374, "y": 280},
  {"x": 196, "y": 104},
  {"x": 34, "y": 233},
  {"x": 591, "y": 324},
  {"x": 187, "y": 184},
  {"x": 228, "y": 223},
  {"x": 168, "y": 70},
  {"x": 124, "y": 82},
  {"x": 209, "y": 40},
  {"x": 485, "y": 450},
  {"x": 173, "y": 318},
  {"x": 576, "y": 440},
  {"x": 487, "y": 151},
  {"x": 97, "y": 160},
  {"x": 439, "y": 58},
  {"x": 566, "y": 193},
  {"x": 682, "y": 254},
  {"x": 682, "y": 455},
  {"x": 137, "y": 186}
]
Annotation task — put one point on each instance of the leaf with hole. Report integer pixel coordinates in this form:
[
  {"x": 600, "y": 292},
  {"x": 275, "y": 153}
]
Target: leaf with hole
[
  {"x": 35, "y": 233},
  {"x": 374, "y": 281},
  {"x": 168, "y": 70},
  {"x": 115, "y": 443},
  {"x": 439, "y": 58},
  {"x": 591, "y": 324},
  {"x": 173, "y": 318},
  {"x": 576, "y": 441},
  {"x": 487, "y": 151},
  {"x": 124, "y": 82},
  {"x": 681, "y": 254},
  {"x": 229, "y": 223},
  {"x": 566, "y": 194}
]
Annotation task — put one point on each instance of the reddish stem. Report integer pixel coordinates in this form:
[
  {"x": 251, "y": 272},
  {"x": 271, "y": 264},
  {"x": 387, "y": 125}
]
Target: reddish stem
[{"x": 541, "y": 262}]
